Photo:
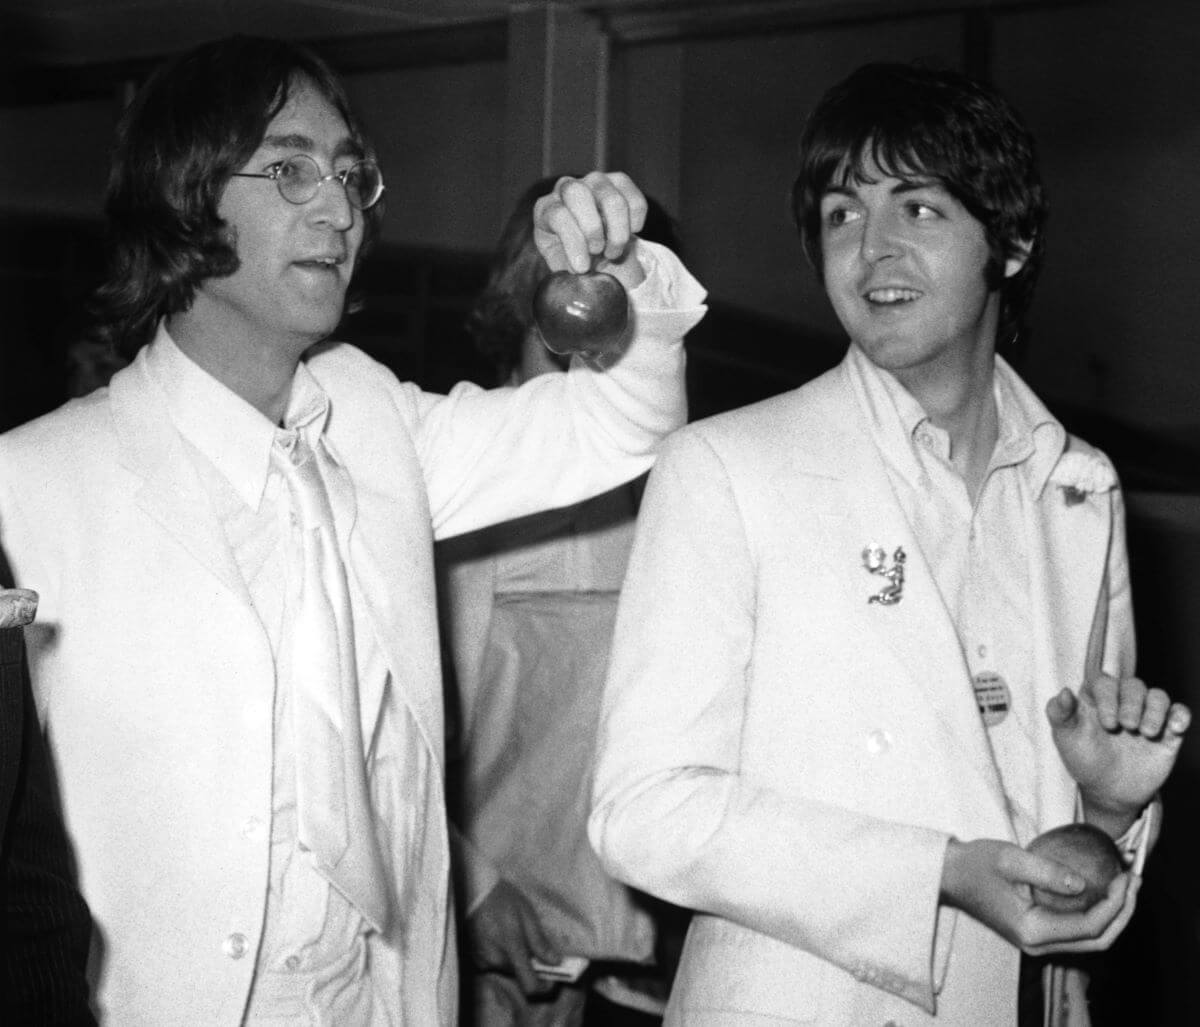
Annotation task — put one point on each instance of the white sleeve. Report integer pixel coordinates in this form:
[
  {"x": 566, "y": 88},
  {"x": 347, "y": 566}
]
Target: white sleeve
[{"x": 489, "y": 455}]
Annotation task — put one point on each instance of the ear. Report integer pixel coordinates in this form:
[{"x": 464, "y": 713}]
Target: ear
[{"x": 1018, "y": 259}]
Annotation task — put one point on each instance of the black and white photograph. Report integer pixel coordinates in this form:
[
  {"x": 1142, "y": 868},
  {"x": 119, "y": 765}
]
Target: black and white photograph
[{"x": 599, "y": 513}]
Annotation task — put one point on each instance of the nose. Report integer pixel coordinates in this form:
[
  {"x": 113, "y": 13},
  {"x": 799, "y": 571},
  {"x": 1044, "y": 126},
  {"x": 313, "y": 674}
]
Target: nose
[
  {"x": 331, "y": 206},
  {"x": 880, "y": 236}
]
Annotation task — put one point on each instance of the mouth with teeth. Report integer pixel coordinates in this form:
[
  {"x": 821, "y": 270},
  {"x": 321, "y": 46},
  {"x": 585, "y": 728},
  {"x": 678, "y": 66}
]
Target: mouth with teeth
[
  {"x": 891, "y": 296},
  {"x": 320, "y": 263}
]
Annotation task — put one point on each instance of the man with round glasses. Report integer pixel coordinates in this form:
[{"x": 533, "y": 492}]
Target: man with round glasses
[{"x": 236, "y": 658}]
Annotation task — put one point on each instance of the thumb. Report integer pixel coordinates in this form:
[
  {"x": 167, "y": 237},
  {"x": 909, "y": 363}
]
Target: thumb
[
  {"x": 1063, "y": 709},
  {"x": 1048, "y": 874}
]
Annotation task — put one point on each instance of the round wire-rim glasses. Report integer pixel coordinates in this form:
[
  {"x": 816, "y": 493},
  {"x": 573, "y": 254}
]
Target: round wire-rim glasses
[{"x": 299, "y": 178}]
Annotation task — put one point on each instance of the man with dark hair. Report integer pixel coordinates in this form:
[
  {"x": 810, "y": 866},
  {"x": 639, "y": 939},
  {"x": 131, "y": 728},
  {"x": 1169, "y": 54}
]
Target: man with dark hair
[
  {"x": 237, "y": 660},
  {"x": 876, "y": 633},
  {"x": 44, "y": 924}
]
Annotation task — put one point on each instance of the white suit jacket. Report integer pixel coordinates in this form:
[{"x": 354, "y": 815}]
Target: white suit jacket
[
  {"x": 154, "y": 677},
  {"x": 789, "y": 760}
]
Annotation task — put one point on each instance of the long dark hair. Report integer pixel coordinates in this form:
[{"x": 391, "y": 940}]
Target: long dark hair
[
  {"x": 196, "y": 120},
  {"x": 914, "y": 120}
]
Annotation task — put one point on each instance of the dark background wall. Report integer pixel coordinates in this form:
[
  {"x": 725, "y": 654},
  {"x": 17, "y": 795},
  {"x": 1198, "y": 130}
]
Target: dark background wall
[{"x": 705, "y": 112}]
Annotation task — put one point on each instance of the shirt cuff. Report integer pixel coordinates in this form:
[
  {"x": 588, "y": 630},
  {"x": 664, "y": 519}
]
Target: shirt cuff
[{"x": 1135, "y": 843}]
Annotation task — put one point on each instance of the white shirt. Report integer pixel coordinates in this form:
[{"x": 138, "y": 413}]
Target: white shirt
[
  {"x": 978, "y": 553},
  {"x": 309, "y": 925}
]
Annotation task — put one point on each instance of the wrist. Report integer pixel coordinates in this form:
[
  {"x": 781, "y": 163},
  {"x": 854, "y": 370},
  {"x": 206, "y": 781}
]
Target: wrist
[
  {"x": 1113, "y": 818},
  {"x": 630, "y": 270}
]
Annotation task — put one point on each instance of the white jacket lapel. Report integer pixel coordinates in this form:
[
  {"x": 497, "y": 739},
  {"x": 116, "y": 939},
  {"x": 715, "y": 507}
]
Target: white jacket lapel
[
  {"x": 171, "y": 493},
  {"x": 918, "y": 628}
]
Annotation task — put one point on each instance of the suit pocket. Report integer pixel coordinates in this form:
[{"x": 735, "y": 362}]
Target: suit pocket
[{"x": 726, "y": 968}]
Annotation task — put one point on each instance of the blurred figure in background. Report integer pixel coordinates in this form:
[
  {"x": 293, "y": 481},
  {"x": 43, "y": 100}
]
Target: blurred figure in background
[{"x": 529, "y": 606}]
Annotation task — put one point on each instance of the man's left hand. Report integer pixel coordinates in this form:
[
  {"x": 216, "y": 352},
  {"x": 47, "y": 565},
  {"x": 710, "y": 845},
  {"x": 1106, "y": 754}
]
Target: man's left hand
[{"x": 1119, "y": 741}]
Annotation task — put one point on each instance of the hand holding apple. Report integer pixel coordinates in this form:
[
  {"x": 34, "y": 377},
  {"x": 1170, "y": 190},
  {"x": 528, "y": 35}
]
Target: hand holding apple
[
  {"x": 996, "y": 882},
  {"x": 590, "y": 224}
]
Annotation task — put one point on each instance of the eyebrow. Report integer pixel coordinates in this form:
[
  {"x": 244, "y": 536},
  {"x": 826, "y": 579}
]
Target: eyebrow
[
  {"x": 902, "y": 186},
  {"x": 910, "y": 185},
  {"x": 346, "y": 147}
]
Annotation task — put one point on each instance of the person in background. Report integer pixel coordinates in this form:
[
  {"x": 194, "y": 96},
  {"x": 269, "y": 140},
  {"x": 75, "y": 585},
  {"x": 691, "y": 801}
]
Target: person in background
[
  {"x": 236, "y": 660},
  {"x": 44, "y": 923},
  {"x": 876, "y": 633},
  {"x": 529, "y": 606}
]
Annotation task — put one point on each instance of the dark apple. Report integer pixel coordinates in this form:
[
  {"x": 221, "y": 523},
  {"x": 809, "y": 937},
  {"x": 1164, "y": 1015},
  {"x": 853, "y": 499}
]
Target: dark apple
[
  {"x": 582, "y": 313},
  {"x": 1090, "y": 853}
]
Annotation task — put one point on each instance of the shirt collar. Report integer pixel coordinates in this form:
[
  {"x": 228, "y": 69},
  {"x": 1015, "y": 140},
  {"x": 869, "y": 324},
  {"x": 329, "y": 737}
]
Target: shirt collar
[
  {"x": 230, "y": 433},
  {"x": 1029, "y": 435},
  {"x": 892, "y": 413}
]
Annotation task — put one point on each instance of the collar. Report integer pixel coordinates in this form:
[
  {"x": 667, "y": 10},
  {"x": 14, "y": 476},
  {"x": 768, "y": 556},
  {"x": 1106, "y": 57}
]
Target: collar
[
  {"x": 1029, "y": 438},
  {"x": 1030, "y": 435},
  {"x": 230, "y": 433}
]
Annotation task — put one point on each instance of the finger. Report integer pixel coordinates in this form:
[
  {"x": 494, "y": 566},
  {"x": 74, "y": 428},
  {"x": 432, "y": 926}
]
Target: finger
[
  {"x": 546, "y": 237},
  {"x": 1062, "y": 708},
  {"x": 1179, "y": 719},
  {"x": 559, "y": 237},
  {"x": 1092, "y": 930},
  {"x": 578, "y": 198},
  {"x": 1131, "y": 703},
  {"x": 1041, "y": 872},
  {"x": 1104, "y": 692},
  {"x": 638, "y": 205},
  {"x": 1154, "y": 713},
  {"x": 623, "y": 208},
  {"x": 1128, "y": 893},
  {"x": 614, "y": 209}
]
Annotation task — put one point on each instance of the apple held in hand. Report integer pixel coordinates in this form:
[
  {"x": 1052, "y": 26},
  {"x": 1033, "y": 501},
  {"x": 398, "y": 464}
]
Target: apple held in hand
[
  {"x": 1090, "y": 853},
  {"x": 584, "y": 313}
]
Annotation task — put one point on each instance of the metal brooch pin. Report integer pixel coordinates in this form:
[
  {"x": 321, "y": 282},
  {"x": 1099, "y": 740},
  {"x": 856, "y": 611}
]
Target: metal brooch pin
[{"x": 874, "y": 559}]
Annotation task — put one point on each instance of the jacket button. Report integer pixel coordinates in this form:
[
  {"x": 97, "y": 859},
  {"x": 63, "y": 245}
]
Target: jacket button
[
  {"x": 878, "y": 742},
  {"x": 235, "y": 946}
]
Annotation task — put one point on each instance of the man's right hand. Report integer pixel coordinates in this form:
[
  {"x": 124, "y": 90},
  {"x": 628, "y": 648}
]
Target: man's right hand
[
  {"x": 506, "y": 935},
  {"x": 992, "y": 880},
  {"x": 592, "y": 221}
]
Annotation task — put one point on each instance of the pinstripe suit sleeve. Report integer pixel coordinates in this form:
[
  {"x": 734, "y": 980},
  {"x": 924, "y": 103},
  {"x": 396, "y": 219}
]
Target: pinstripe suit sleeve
[{"x": 44, "y": 923}]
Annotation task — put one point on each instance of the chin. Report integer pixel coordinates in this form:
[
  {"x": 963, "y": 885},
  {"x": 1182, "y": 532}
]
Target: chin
[
  {"x": 890, "y": 354},
  {"x": 321, "y": 326}
]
